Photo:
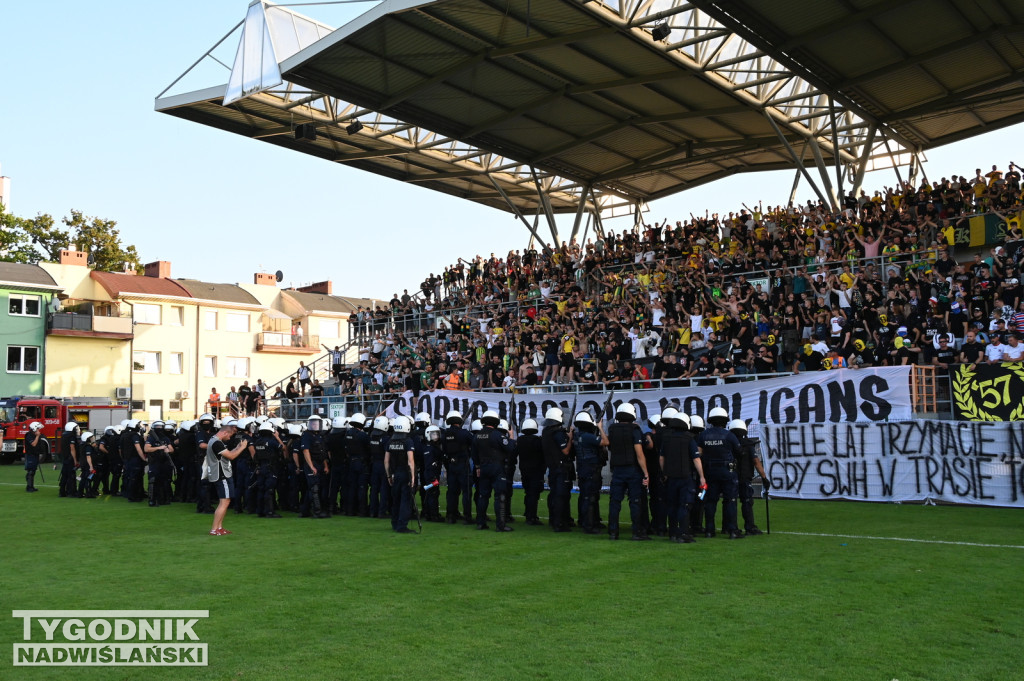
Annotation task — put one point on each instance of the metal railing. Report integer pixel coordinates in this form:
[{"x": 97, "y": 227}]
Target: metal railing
[
  {"x": 74, "y": 321},
  {"x": 285, "y": 339}
]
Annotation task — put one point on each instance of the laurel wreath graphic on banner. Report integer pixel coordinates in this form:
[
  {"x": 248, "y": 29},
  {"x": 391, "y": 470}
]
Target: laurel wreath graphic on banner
[{"x": 970, "y": 398}]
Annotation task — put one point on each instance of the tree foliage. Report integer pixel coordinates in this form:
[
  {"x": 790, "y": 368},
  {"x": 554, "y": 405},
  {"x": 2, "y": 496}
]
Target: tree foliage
[{"x": 30, "y": 240}]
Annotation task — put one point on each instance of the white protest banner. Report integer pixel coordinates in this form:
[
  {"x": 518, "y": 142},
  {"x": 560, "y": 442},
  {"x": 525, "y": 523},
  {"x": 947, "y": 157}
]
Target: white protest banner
[
  {"x": 845, "y": 395},
  {"x": 965, "y": 462}
]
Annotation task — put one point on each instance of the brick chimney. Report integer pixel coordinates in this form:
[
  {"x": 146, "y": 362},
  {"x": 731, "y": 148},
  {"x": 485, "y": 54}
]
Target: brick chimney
[
  {"x": 74, "y": 258},
  {"x": 160, "y": 269},
  {"x": 323, "y": 287},
  {"x": 264, "y": 279}
]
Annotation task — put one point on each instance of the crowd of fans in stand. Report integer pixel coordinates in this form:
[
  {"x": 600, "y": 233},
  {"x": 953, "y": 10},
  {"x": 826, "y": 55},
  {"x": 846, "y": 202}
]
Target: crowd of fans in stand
[{"x": 759, "y": 291}]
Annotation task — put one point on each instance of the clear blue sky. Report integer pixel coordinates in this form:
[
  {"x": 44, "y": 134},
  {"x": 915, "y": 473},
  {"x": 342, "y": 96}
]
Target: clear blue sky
[{"x": 78, "y": 130}]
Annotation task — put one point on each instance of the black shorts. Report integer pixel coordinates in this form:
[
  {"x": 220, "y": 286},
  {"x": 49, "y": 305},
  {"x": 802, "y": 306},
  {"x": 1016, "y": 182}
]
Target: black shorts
[
  {"x": 567, "y": 361},
  {"x": 225, "y": 488}
]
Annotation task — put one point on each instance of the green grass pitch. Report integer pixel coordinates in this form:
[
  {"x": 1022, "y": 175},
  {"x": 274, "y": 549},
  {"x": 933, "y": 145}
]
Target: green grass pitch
[{"x": 345, "y": 598}]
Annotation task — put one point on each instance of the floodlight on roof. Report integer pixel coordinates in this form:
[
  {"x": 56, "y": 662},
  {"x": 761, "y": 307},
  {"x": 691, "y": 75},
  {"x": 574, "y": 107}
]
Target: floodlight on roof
[
  {"x": 353, "y": 127},
  {"x": 661, "y": 31},
  {"x": 305, "y": 131}
]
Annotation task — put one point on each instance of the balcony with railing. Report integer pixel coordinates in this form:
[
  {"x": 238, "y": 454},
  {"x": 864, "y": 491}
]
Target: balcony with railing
[
  {"x": 90, "y": 319},
  {"x": 285, "y": 343}
]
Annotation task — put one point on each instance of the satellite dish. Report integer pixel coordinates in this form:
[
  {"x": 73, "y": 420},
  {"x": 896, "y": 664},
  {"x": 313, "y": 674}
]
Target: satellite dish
[{"x": 279, "y": 275}]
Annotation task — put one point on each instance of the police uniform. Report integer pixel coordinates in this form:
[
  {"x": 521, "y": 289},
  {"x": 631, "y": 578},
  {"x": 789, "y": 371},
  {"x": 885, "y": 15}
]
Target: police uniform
[
  {"x": 397, "y": 466},
  {"x": 89, "y": 480},
  {"x": 34, "y": 450},
  {"x": 530, "y": 453},
  {"x": 510, "y": 478},
  {"x": 587, "y": 446},
  {"x": 357, "y": 445},
  {"x": 317, "y": 479},
  {"x": 69, "y": 451},
  {"x": 244, "y": 473},
  {"x": 185, "y": 490},
  {"x": 553, "y": 440},
  {"x": 433, "y": 460},
  {"x": 110, "y": 473},
  {"x": 493, "y": 448},
  {"x": 101, "y": 462},
  {"x": 380, "y": 492},
  {"x": 266, "y": 453},
  {"x": 339, "y": 470},
  {"x": 203, "y": 434},
  {"x": 654, "y": 512},
  {"x": 745, "y": 469},
  {"x": 719, "y": 449},
  {"x": 457, "y": 443},
  {"x": 627, "y": 477},
  {"x": 157, "y": 465},
  {"x": 131, "y": 443},
  {"x": 678, "y": 451}
]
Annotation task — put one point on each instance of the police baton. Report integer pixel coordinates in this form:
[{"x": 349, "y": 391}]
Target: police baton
[{"x": 767, "y": 513}]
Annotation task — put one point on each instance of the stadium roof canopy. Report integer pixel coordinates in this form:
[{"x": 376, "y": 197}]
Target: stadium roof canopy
[{"x": 529, "y": 104}]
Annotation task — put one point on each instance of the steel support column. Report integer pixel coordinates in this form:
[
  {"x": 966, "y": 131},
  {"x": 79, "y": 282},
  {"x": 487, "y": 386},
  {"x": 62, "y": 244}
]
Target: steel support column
[
  {"x": 598, "y": 226},
  {"x": 533, "y": 230},
  {"x": 835, "y": 148},
  {"x": 862, "y": 164},
  {"x": 796, "y": 175},
  {"x": 579, "y": 213},
  {"x": 799, "y": 162},
  {"x": 892, "y": 159},
  {"x": 548, "y": 213}
]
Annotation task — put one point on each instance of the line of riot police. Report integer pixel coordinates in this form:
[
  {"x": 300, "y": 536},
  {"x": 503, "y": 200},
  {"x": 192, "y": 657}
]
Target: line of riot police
[{"x": 349, "y": 466}]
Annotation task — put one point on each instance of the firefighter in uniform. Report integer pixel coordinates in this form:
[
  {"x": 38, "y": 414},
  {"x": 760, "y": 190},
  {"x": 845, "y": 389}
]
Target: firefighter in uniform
[
  {"x": 679, "y": 461},
  {"x": 718, "y": 452},
  {"x": 492, "y": 449},
  {"x": 315, "y": 467},
  {"x": 266, "y": 451},
  {"x": 588, "y": 440},
  {"x": 433, "y": 460},
  {"x": 456, "y": 442},
  {"x": 530, "y": 453},
  {"x": 400, "y": 469},
  {"x": 629, "y": 471},
  {"x": 748, "y": 462},
  {"x": 335, "y": 442},
  {"x": 380, "y": 491},
  {"x": 557, "y": 445},
  {"x": 35, "y": 447},
  {"x": 69, "y": 446},
  {"x": 357, "y": 446}
]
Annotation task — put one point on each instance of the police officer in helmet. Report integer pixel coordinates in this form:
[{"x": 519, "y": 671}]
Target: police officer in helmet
[
  {"x": 335, "y": 442},
  {"x": 69, "y": 446},
  {"x": 749, "y": 460},
  {"x": 557, "y": 444},
  {"x": 315, "y": 467},
  {"x": 457, "y": 444},
  {"x": 680, "y": 460},
  {"x": 492, "y": 450},
  {"x": 588, "y": 440},
  {"x": 433, "y": 459},
  {"x": 697, "y": 507},
  {"x": 35, "y": 446},
  {"x": 266, "y": 451},
  {"x": 530, "y": 453},
  {"x": 719, "y": 450},
  {"x": 357, "y": 448},
  {"x": 629, "y": 471},
  {"x": 380, "y": 491},
  {"x": 400, "y": 468}
]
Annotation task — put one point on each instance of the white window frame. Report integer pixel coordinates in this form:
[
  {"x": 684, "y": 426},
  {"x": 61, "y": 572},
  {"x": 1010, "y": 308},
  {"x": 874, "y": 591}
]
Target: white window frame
[
  {"x": 177, "y": 316},
  {"x": 210, "y": 366},
  {"x": 232, "y": 366},
  {"x": 149, "y": 354},
  {"x": 230, "y": 318},
  {"x": 21, "y": 362},
  {"x": 24, "y": 298},
  {"x": 138, "y": 318},
  {"x": 210, "y": 315},
  {"x": 181, "y": 362}
]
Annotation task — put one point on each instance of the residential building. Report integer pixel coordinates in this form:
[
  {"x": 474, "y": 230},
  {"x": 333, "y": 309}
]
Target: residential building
[{"x": 26, "y": 292}]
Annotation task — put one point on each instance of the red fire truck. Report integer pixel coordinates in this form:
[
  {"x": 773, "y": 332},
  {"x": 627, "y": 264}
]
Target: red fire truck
[{"x": 18, "y": 413}]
